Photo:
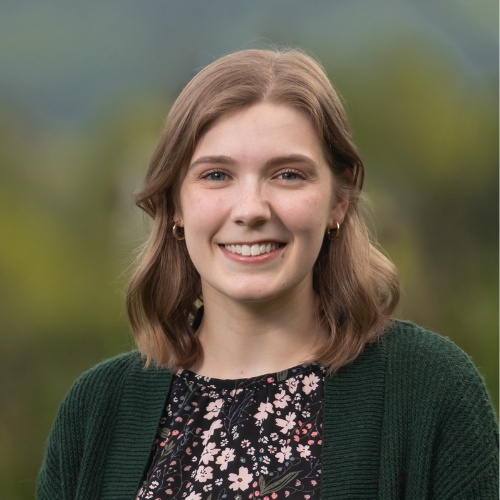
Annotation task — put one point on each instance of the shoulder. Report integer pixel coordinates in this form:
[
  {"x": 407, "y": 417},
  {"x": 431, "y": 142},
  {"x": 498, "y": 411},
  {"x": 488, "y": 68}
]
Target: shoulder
[
  {"x": 106, "y": 375},
  {"x": 82, "y": 424},
  {"x": 416, "y": 347},
  {"x": 434, "y": 388},
  {"x": 100, "y": 387},
  {"x": 426, "y": 368}
]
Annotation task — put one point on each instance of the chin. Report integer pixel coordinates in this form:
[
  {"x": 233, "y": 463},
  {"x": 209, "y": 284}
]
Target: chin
[{"x": 252, "y": 295}]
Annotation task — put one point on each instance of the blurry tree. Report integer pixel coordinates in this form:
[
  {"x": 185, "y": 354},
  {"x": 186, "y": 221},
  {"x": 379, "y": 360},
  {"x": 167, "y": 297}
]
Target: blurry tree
[{"x": 427, "y": 132}]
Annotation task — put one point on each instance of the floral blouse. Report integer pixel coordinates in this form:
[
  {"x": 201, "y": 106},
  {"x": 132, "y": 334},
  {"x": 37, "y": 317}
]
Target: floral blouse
[{"x": 255, "y": 438}]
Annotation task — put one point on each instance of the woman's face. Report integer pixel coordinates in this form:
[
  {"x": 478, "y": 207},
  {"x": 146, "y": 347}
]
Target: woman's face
[{"x": 256, "y": 201}]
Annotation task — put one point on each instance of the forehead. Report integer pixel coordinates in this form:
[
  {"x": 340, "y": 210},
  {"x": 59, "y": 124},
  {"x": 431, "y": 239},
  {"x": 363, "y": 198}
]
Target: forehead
[{"x": 260, "y": 130}]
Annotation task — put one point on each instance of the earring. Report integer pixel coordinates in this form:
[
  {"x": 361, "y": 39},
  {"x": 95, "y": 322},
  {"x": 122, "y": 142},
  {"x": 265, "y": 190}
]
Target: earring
[
  {"x": 176, "y": 235},
  {"x": 333, "y": 235}
]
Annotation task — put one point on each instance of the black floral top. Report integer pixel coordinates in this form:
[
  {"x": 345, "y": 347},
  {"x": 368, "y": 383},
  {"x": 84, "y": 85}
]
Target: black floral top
[{"x": 255, "y": 438}]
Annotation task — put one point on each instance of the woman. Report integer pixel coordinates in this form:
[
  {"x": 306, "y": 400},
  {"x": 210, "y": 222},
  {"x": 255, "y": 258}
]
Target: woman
[{"x": 291, "y": 381}]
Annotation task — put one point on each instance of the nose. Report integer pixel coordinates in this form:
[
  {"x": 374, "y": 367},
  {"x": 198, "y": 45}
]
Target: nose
[{"x": 251, "y": 206}]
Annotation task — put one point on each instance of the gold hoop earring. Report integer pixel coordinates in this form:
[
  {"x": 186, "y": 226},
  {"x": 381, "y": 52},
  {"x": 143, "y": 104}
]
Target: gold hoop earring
[
  {"x": 335, "y": 234},
  {"x": 176, "y": 235}
]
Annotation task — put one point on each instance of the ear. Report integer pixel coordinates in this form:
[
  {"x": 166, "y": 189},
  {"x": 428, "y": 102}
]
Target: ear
[
  {"x": 337, "y": 214},
  {"x": 178, "y": 218}
]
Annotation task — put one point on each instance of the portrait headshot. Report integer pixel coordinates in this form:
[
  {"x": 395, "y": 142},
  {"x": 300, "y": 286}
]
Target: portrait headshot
[{"x": 251, "y": 251}]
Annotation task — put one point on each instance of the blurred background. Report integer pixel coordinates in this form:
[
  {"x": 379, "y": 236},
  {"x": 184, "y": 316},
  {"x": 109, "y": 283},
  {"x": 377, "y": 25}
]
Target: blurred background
[{"x": 84, "y": 91}]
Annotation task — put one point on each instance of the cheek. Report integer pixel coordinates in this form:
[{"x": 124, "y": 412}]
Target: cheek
[
  {"x": 307, "y": 216},
  {"x": 200, "y": 211}
]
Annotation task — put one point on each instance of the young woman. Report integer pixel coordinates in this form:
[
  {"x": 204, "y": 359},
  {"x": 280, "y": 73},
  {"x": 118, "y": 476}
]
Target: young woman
[{"x": 268, "y": 363}]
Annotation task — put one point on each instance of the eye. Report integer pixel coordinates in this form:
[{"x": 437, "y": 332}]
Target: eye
[
  {"x": 290, "y": 175},
  {"x": 215, "y": 175}
]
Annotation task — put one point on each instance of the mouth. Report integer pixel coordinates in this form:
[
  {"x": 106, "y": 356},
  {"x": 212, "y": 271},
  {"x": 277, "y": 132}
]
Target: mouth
[{"x": 253, "y": 249}]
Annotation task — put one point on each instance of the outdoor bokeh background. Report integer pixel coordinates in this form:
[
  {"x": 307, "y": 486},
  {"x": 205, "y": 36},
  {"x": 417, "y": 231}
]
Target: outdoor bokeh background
[{"x": 84, "y": 91}]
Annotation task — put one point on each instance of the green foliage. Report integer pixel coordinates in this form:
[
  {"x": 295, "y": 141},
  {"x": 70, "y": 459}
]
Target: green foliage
[{"x": 428, "y": 136}]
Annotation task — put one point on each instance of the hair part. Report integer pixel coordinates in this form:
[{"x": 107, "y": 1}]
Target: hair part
[{"x": 357, "y": 285}]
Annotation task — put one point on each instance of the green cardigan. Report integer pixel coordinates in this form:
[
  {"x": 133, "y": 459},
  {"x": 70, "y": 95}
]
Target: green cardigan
[{"x": 409, "y": 419}]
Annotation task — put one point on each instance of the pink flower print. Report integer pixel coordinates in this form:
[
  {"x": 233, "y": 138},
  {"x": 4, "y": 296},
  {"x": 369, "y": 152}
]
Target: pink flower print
[
  {"x": 284, "y": 454},
  {"x": 313, "y": 482},
  {"x": 235, "y": 391},
  {"x": 282, "y": 399},
  {"x": 207, "y": 455},
  {"x": 264, "y": 409},
  {"x": 286, "y": 424},
  {"x": 303, "y": 450},
  {"x": 240, "y": 481},
  {"x": 310, "y": 383},
  {"x": 274, "y": 495},
  {"x": 203, "y": 474},
  {"x": 292, "y": 384},
  {"x": 226, "y": 456},
  {"x": 217, "y": 424},
  {"x": 194, "y": 496},
  {"x": 213, "y": 409}
]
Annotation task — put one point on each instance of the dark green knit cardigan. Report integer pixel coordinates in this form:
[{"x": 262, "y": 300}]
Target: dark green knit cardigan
[{"x": 409, "y": 419}]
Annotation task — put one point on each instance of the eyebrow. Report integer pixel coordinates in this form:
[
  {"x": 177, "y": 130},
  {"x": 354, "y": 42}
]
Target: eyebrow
[{"x": 273, "y": 162}]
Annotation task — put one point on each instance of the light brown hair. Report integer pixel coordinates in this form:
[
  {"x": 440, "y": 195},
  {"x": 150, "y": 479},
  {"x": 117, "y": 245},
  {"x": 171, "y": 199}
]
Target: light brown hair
[{"x": 358, "y": 287}]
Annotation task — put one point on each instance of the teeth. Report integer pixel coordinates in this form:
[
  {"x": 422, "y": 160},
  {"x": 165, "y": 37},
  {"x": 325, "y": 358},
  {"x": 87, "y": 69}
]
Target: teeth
[{"x": 255, "y": 249}]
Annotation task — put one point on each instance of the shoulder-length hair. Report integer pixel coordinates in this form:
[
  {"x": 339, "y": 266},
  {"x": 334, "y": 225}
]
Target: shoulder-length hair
[{"x": 357, "y": 286}]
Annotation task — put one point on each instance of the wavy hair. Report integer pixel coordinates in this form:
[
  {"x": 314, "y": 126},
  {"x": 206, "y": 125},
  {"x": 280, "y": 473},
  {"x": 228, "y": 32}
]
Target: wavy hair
[{"x": 357, "y": 286}]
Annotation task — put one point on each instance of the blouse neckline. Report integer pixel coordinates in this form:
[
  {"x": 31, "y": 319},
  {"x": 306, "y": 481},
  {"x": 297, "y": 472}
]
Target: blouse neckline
[{"x": 268, "y": 378}]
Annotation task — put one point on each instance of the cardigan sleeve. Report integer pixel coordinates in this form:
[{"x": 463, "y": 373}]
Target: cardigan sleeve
[
  {"x": 49, "y": 484},
  {"x": 64, "y": 448},
  {"x": 77, "y": 447},
  {"x": 465, "y": 455}
]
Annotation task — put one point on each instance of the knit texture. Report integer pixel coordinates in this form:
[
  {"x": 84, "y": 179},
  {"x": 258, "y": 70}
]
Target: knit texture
[{"x": 410, "y": 418}]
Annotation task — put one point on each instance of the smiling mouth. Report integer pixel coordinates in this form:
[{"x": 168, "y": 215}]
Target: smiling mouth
[{"x": 253, "y": 250}]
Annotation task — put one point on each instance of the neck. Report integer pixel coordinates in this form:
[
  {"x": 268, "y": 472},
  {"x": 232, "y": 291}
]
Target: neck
[{"x": 246, "y": 339}]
